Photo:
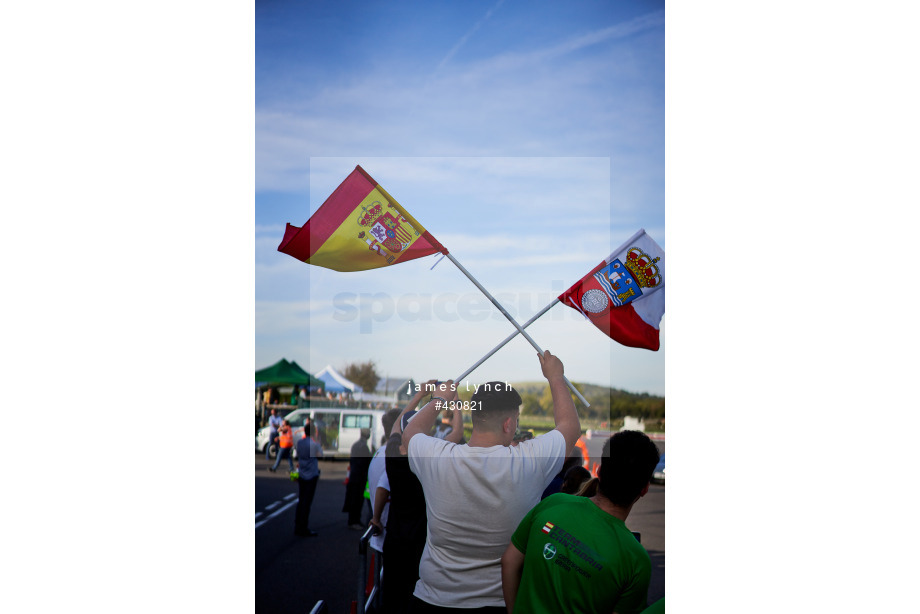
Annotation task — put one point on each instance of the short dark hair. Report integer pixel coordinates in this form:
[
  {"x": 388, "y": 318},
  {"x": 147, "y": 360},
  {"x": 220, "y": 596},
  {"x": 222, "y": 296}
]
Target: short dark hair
[
  {"x": 389, "y": 419},
  {"x": 307, "y": 429},
  {"x": 493, "y": 402},
  {"x": 629, "y": 458}
]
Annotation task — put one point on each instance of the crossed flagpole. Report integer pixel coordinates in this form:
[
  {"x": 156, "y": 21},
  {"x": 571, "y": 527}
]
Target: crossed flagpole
[
  {"x": 520, "y": 329},
  {"x": 322, "y": 242}
]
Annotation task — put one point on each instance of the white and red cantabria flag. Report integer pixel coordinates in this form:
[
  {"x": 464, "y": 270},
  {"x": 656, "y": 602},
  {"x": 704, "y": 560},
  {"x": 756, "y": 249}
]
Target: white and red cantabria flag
[{"x": 624, "y": 295}]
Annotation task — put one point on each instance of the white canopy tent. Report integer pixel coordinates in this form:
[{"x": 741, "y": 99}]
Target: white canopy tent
[{"x": 336, "y": 382}]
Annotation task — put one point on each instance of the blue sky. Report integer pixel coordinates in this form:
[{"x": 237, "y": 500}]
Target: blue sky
[{"x": 528, "y": 137}]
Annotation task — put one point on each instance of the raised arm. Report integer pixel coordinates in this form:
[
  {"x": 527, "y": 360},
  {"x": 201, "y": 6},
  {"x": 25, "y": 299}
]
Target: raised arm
[
  {"x": 456, "y": 423},
  {"x": 424, "y": 419},
  {"x": 413, "y": 403},
  {"x": 564, "y": 414},
  {"x": 381, "y": 495}
]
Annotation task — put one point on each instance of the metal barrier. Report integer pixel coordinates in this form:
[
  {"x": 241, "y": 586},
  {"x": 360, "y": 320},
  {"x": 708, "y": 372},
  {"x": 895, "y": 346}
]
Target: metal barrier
[{"x": 369, "y": 580}]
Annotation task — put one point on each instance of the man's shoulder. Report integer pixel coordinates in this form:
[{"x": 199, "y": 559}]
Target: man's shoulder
[
  {"x": 422, "y": 445},
  {"x": 548, "y": 435},
  {"x": 420, "y": 440},
  {"x": 547, "y": 442},
  {"x": 307, "y": 442},
  {"x": 552, "y": 501},
  {"x": 583, "y": 512},
  {"x": 359, "y": 448}
]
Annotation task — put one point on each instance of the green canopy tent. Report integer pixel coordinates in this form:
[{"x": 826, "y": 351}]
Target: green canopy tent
[{"x": 285, "y": 373}]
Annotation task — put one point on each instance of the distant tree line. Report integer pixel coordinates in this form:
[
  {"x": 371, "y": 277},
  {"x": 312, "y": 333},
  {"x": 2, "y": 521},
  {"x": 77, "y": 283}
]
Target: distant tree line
[
  {"x": 606, "y": 403},
  {"x": 363, "y": 374}
]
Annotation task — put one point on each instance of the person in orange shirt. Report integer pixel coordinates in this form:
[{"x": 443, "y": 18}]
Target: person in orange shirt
[{"x": 285, "y": 446}]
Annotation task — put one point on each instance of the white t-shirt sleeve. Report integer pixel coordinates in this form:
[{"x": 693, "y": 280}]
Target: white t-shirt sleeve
[
  {"x": 549, "y": 450},
  {"x": 421, "y": 449}
]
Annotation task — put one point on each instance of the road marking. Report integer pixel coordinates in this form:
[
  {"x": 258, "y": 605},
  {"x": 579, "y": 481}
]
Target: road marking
[
  {"x": 272, "y": 506},
  {"x": 276, "y": 513}
]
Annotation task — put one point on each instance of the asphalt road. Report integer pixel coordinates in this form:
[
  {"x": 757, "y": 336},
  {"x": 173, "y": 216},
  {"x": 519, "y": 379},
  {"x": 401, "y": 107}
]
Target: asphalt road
[{"x": 293, "y": 573}]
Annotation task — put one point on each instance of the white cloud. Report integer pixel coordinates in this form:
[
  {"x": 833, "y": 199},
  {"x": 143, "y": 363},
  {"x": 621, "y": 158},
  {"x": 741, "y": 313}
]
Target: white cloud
[{"x": 527, "y": 101}]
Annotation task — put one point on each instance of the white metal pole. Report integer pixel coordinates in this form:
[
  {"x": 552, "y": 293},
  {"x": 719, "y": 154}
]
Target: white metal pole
[
  {"x": 507, "y": 339},
  {"x": 518, "y": 326}
]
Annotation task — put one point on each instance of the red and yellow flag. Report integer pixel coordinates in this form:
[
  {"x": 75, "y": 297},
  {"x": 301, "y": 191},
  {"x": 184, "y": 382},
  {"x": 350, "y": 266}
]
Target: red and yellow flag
[{"x": 359, "y": 227}]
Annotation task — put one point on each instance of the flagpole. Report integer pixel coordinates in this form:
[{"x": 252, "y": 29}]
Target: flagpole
[
  {"x": 507, "y": 339},
  {"x": 513, "y": 321},
  {"x": 635, "y": 236}
]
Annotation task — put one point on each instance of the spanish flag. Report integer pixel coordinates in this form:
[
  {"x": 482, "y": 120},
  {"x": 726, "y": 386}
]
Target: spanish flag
[{"x": 359, "y": 227}]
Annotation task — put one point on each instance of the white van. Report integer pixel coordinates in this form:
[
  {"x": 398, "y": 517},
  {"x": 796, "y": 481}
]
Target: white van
[{"x": 335, "y": 429}]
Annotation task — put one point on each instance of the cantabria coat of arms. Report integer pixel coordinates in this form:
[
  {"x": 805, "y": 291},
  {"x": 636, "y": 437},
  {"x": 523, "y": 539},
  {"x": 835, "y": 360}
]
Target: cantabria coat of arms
[{"x": 621, "y": 283}]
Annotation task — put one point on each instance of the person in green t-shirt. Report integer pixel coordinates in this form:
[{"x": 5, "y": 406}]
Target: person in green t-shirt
[{"x": 575, "y": 554}]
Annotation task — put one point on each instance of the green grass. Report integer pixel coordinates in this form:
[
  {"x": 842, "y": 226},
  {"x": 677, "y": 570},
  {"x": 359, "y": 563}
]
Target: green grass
[{"x": 541, "y": 424}]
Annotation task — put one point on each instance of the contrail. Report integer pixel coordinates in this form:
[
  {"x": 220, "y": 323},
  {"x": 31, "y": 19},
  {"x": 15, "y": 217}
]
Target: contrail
[{"x": 465, "y": 37}]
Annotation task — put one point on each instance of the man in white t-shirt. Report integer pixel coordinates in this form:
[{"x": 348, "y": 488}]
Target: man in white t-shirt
[{"x": 476, "y": 494}]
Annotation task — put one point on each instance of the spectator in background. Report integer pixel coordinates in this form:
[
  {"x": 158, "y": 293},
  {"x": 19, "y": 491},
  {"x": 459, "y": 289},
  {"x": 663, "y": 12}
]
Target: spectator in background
[
  {"x": 476, "y": 494},
  {"x": 587, "y": 489},
  {"x": 308, "y": 453},
  {"x": 444, "y": 428},
  {"x": 285, "y": 446},
  {"x": 274, "y": 423},
  {"x": 574, "y": 554},
  {"x": 358, "y": 463},
  {"x": 520, "y": 436},
  {"x": 571, "y": 461},
  {"x": 574, "y": 479}
]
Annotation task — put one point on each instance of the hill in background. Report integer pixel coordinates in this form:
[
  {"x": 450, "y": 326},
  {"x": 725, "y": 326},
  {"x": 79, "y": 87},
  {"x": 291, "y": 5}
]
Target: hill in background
[{"x": 608, "y": 405}]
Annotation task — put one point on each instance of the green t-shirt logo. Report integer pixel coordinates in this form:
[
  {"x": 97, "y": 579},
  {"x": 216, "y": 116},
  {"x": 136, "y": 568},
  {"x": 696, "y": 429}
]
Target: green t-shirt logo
[{"x": 549, "y": 551}]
